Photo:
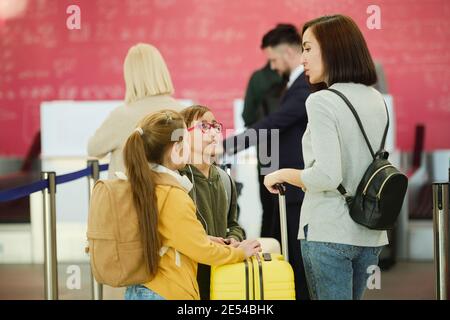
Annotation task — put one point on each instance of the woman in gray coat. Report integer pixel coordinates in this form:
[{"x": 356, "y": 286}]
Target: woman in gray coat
[{"x": 339, "y": 254}]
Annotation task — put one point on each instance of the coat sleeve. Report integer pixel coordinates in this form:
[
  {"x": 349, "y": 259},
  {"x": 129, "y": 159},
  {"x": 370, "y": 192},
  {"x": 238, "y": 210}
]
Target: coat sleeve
[
  {"x": 326, "y": 172},
  {"x": 291, "y": 111},
  {"x": 251, "y": 103},
  {"x": 185, "y": 233},
  {"x": 103, "y": 141}
]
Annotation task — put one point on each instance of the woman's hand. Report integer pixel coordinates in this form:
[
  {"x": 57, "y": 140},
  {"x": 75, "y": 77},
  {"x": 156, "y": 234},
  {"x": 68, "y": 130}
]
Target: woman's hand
[
  {"x": 291, "y": 176},
  {"x": 271, "y": 180},
  {"x": 250, "y": 247}
]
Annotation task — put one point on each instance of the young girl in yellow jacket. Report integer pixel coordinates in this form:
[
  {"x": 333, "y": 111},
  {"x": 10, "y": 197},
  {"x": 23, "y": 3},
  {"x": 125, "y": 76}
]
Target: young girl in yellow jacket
[{"x": 174, "y": 240}]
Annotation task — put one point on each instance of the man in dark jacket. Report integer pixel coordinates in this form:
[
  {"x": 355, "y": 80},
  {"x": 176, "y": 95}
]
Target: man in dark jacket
[
  {"x": 262, "y": 97},
  {"x": 282, "y": 46}
]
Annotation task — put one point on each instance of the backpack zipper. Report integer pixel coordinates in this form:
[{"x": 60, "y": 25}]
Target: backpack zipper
[
  {"x": 384, "y": 182},
  {"x": 373, "y": 175}
]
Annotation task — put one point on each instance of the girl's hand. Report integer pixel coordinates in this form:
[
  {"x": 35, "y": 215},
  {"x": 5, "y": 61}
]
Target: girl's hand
[
  {"x": 250, "y": 247},
  {"x": 233, "y": 242},
  {"x": 218, "y": 240}
]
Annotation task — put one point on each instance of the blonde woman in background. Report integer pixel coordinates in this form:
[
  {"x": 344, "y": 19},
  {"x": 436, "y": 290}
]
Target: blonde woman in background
[{"x": 148, "y": 89}]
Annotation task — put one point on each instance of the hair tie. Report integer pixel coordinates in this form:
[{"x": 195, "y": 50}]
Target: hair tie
[
  {"x": 139, "y": 129},
  {"x": 168, "y": 117}
]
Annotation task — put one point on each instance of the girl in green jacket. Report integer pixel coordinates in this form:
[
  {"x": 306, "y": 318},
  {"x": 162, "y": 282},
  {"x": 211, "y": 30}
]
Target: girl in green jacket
[{"x": 215, "y": 210}]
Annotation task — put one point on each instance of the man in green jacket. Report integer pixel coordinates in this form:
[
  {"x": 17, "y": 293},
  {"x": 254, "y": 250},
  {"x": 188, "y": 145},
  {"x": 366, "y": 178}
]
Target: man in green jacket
[
  {"x": 262, "y": 95},
  {"x": 216, "y": 208}
]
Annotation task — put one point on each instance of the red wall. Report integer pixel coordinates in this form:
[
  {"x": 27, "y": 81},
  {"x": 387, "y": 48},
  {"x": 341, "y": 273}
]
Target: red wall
[{"x": 211, "y": 47}]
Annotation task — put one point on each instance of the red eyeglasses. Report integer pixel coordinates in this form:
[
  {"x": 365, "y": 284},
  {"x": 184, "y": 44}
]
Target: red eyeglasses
[{"x": 206, "y": 126}]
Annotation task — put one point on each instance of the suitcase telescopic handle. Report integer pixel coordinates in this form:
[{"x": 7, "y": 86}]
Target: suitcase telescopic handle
[
  {"x": 283, "y": 219},
  {"x": 281, "y": 188}
]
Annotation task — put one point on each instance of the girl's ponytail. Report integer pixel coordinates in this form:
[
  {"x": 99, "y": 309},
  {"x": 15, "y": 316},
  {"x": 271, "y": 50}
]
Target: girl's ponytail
[
  {"x": 142, "y": 184},
  {"x": 148, "y": 144}
]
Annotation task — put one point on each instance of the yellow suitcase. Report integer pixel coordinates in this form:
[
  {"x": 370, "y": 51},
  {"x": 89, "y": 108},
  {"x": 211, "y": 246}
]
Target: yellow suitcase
[{"x": 266, "y": 276}]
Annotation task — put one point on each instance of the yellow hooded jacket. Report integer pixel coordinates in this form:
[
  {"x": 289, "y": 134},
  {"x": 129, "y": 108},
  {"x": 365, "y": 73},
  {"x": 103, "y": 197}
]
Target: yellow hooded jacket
[{"x": 186, "y": 242}]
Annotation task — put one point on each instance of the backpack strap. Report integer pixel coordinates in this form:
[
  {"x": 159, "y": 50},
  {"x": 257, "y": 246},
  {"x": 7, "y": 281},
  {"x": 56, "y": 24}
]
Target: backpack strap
[
  {"x": 355, "y": 114},
  {"x": 383, "y": 141},
  {"x": 226, "y": 181},
  {"x": 341, "y": 188}
]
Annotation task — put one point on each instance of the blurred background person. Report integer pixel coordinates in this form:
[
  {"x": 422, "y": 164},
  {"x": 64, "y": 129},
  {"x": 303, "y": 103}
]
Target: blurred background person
[
  {"x": 149, "y": 88},
  {"x": 262, "y": 94},
  {"x": 262, "y": 97}
]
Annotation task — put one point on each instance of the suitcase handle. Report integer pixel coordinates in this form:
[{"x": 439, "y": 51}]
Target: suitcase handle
[
  {"x": 281, "y": 188},
  {"x": 283, "y": 219}
]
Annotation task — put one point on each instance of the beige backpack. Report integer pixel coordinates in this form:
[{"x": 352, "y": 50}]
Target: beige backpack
[{"x": 115, "y": 248}]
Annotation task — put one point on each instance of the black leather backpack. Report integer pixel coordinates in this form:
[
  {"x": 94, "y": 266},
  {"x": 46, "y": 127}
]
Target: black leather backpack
[{"x": 380, "y": 194}]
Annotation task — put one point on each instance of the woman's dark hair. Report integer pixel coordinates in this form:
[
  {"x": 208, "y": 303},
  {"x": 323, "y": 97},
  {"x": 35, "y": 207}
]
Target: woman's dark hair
[
  {"x": 281, "y": 34},
  {"x": 345, "y": 55}
]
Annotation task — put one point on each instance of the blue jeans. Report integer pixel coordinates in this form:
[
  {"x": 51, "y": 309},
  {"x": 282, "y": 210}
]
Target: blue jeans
[
  {"x": 141, "y": 292},
  {"x": 337, "y": 271}
]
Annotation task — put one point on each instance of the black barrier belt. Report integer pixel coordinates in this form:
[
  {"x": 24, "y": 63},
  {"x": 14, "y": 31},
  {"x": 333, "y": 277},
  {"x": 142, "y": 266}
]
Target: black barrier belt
[{"x": 26, "y": 190}]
